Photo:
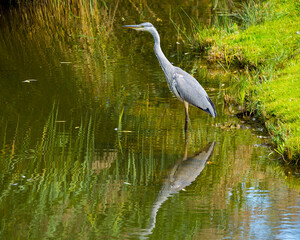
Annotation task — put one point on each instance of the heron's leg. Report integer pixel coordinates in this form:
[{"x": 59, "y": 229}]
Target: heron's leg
[
  {"x": 186, "y": 107},
  {"x": 185, "y": 145}
]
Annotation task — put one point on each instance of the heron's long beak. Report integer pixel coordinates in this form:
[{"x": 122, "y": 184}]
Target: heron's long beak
[{"x": 135, "y": 27}]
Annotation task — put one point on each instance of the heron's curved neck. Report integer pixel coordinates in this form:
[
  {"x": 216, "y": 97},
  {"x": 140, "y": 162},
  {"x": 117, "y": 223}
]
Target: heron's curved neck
[{"x": 163, "y": 61}]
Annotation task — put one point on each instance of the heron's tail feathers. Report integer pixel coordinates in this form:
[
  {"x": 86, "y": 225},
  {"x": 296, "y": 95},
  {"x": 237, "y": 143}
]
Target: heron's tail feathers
[{"x": 210, "y": 109}]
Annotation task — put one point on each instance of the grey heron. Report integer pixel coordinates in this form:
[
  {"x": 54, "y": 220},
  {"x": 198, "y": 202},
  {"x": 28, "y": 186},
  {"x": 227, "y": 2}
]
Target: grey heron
[{"x": 184, "y": 86}]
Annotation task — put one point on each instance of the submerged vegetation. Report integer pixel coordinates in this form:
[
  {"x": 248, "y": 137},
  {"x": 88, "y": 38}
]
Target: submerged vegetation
[{"x": 263, "y": 38}]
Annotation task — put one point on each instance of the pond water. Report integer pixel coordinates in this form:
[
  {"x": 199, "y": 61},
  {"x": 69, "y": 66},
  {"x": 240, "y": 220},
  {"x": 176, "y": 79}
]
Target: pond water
[{"x": 93, "y": 143}]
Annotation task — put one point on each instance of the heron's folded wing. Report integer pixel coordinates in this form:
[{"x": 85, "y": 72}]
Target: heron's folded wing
[{"x": 190, "y": 90}]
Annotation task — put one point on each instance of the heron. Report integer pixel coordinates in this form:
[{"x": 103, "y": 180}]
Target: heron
[{"x": 184, "y": 86}]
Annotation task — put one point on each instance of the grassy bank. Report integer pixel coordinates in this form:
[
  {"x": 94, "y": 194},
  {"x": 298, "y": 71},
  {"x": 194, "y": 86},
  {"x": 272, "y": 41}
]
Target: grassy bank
[{"x": 263, "y": 38}]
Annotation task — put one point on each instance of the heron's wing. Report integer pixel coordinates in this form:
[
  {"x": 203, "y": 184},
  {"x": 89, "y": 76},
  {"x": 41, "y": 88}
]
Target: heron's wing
[{"x": 190, "y": 90}]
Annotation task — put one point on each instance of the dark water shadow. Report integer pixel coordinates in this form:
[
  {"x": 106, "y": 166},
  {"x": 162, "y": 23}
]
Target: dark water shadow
[{"x": 183, "y": 173}]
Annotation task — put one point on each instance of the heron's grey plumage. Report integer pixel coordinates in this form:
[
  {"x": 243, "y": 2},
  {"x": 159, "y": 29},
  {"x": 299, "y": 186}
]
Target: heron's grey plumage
[
  {"x": 192, "y": 92},
  {"x": 185, "y": 87}
]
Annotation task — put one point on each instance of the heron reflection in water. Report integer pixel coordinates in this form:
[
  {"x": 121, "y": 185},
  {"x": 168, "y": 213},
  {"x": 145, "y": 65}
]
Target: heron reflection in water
[
  {"x": 182, "y": 174},
  {"x": 184, "y": 86}
]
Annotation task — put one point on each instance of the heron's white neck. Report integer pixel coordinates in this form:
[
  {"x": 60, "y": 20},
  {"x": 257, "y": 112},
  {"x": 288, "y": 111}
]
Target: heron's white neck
[{"x": 163, "y": 61}]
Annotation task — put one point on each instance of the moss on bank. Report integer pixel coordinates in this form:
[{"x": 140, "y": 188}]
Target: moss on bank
[{"x": 269, "y": 51}]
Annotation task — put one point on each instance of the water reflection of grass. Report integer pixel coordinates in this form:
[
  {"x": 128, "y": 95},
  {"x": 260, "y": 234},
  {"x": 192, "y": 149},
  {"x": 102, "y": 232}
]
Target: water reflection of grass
[
  {"x": 54, "y": 30},
  {"x": 49, "y": 178},
  {"x": 61, "y": 176},
  {"x": 88, "y": 20},
  {"x": 64, "y": 45},
  {"x": 64, "y": 184}
]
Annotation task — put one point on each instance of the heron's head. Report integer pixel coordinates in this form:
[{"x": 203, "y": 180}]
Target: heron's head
[{"x": 141, "y": 27}]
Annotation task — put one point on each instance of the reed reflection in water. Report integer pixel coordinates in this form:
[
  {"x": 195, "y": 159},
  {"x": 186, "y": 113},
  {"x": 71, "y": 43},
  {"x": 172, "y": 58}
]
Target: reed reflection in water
[{"x": 183, "y": 173}]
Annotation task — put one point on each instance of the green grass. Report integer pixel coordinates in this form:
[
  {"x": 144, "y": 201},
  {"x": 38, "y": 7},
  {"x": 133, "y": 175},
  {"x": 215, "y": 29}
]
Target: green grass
[
  {"x": 281, "y": 109},
  {"x": 265, "y": 41},
  {"x": 270, "y": 42}
]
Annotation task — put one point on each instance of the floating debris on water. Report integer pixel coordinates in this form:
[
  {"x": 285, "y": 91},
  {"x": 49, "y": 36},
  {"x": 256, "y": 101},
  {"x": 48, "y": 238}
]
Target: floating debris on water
[
  {"x": 124, "y": 131},
  {"x": 29, "y": 80}
]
